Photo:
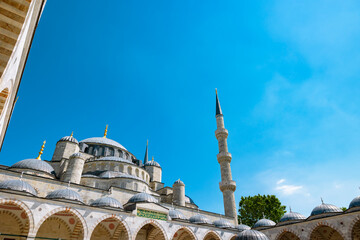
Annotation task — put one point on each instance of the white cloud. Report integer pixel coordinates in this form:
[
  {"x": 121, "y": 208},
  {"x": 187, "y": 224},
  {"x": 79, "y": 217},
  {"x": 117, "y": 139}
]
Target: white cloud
[
  {"x": 280, "y": 181},
  {"x": 289, "y": 189}
]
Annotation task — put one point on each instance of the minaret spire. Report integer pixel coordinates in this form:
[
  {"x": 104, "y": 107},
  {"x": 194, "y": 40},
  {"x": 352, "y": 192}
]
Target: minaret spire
[
  {"x": 227, "y": 185},
  {"x": 146, "y": 158}
]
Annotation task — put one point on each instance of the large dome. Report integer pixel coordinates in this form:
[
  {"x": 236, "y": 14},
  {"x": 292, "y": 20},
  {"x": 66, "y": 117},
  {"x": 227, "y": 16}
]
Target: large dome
[
  {"x": 251, "y": 235},
  {"x": 116, "y": 159},
  {"x": 355, "y": 202},
  {"x": 292, "y": 216},
  {"x": 103, "y": 141},
  {"x": 264, "y": 223},
  {"x": 66, "y": 194},
  {"x": 222, "y": 223},
  {"x": 107, "y": 202},
  {"x": 325, "y": 208},
  {"x": 142, "y": 197},
  {"x": 34, "y": 164},
  {"x": 17, "y": 185},
  {"x": 175, "y": 214},
  {"x": 199, "y": 219}
]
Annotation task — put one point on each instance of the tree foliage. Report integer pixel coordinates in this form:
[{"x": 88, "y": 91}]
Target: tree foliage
[{"x": 253, "y": 208}]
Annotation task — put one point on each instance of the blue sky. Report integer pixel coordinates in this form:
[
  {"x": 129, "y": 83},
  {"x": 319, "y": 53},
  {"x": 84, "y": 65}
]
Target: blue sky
[{"x": 287, "y": 73}]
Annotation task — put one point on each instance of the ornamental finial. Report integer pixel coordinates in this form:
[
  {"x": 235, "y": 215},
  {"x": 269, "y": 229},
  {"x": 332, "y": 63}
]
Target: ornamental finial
[
  {"x": 41, "y": 151},
  {"x": 72, "y": 134},
  {"x": 322, "y": 200},
  {"x": 106, "y": 129}
]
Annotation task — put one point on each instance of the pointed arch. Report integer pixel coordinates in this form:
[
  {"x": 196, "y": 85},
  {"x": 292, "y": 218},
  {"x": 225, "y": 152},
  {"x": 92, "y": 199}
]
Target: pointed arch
[
  {"x": 115, "y": 233},
  {"x": 354, "y": 229},
  {"x": 152, "y": 234},
  {"x": 287, "y": 234},
  {"x": 183, "y": 233},
  {"x": 78, "y": 231},
  {"x": 211, "y": 235},
  {"x": 326, "y": 231}
]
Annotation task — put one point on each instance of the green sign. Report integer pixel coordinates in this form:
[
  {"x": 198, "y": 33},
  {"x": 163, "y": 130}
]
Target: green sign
[{"x": 151, "y": 214}]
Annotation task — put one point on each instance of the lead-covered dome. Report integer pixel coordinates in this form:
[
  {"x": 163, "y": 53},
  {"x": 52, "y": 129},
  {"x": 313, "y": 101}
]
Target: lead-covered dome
[
  {"x": 251, "y": 235},
  {"x": 142, "y": 197},
  {"x": 292, "y": 216},
  {"x": 222, "y": 223},
  {"x": 325, "y": 208},
  {"x": 17, "y": 185},
  {"x": 65, "y": 194},
  {"x": 242, "y": 227},
  {"x": 152, "y": 163},
  {"x": 69, "y": 139},
  {"x": 103, "y": 141},
  {"x": 175, "y": 214},
  {"x": 116, "y": 159},
  {"x": 199, "y": 219},
  {"x": 107, "y": 202},
  {"x": 355, "y": 202},
  {"x": 264, "y": 223},
  {"x": 34, "y": 164}
]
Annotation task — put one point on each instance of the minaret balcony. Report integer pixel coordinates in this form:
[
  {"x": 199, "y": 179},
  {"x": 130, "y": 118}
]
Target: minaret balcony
[
  {"x": 224, "y": 157},
  {"x": 227, "y": 185},
  {"x": 221, "y": 133}
]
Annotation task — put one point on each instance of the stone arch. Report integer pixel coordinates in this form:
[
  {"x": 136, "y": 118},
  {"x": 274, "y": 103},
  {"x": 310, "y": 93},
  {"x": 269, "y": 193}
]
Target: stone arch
[
  {"x": 183, "y": 233},
  {"x": 117, "y": 231},
  {"x": 233, "y": 237},
  {"x": 354, "y": 229},
  {"x": 287, "y": 234},
  {"x": 15, "y": 218},
  {"x": 325, "y": 231},
  {"x": 4, "y": 94},
  {"x": 152, "y": 235},
  {"x": 211, "y": 235},
  {"x": 79, "y": 229}
]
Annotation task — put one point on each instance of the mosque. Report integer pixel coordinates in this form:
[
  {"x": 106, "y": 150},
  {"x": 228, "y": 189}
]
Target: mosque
[{"x": 97, "y": 189}]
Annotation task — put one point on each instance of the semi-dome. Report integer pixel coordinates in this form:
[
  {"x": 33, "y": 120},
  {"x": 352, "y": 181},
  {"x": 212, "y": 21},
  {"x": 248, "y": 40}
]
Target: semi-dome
[
  {"x": 189, "y": 200},
  {"x": 242, "y": 227},
  {"x": 222, "y": 223},
  {"x": 103, "y": 141},
  {"x": 199, "y": 219},
  {"x": 325, "y": 208},
  {"x": 116, "y": 159},
  {"x": 142, "y": 197},
  {"x": 69, "y": 139},
  {"x": 264, "y": 223},
  {"x": 251, "y": 235},
  {"x": 152, "y": 163},
  {"x": 34, "y": 164},
  {"x": 292, "y": 216},
  {"x": 355, "y": 202},
  {"x": 65, "y": 194},
  {"x": 17, "y": 185},
  {"x": 107, "y": 202},
  {"x": 175, "y": 214}
]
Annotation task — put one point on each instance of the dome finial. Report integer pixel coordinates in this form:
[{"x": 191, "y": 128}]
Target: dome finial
[
  {"x": 322, "y": 201},
  {"x": 41, "y": 151},
  {"x": 152, "y": 159},
  {"x": 72, "y": 133},
  {"x": 21, "y": 175},
  {"x": 106, "y": 129},
  {"x": 263, "y": 215},
  {"x": 110, "y": 191},
  {"x": 68, "y": 185},
  {"x": 290, "y": 208}
]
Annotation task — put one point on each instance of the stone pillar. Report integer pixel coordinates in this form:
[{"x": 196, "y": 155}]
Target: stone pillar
[
  {"x": 227, "y": 185},
  {"x": 179, "y": 193},
  {"x": 75, "y": 168}
]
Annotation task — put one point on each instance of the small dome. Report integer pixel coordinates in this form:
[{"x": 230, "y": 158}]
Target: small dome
[
  {"x": 103, "y": 141},
  {"x": 179, "y": 182},
  {"x": 175, "y": 214},
  {"x": 152, "y": 163},
  {"x": 292, "y": 216},
  {"x": 107, "y": 202},
  {"x": 34, "y": 164},
  {"x": 264, "y": 223},
  {"x": 251, "y": 235},
  {"x": 222, "y": 223},
  {"x": 242, "y": 227},
  {"x": 355, "y": 202},
  {"x": 69, "y": 139},
  {"x": 17, "y": 185},
  {"x": 325, "y": 208},
  {"x": 199, "y": 219},
  {"x": 66, "y": 194},
  {"x": 142, "y": 197}
]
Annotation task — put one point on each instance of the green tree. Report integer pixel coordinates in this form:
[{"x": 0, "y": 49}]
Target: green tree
[
  {"x": 343, "y": 209},
  {"x": 253, "y": 208}
]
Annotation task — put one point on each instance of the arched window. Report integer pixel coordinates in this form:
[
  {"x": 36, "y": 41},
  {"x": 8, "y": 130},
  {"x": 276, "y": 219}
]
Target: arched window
[
  {"x": 86, "y": 150},
  {"x": 137, "y": 172},
  {"x": 120, "y": 153},
  {"x": 3, "y": 97},
  {"x": 135, "y": 186},
  {"x": 111, "y": 151},
  {"x": 129, "y": 170},
  {"x": 101, "y": 151},
  {"x": 121, "y": 168}
]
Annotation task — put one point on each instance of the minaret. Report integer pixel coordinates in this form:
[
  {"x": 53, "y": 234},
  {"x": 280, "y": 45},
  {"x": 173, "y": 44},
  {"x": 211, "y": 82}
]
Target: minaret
[
  {"x": 227, "y": 185},
  {"x": 146, "y": 158}
]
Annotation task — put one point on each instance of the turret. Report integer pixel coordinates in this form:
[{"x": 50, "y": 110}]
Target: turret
[
  {"x": 179, "y": 193},
  {"x": 65, "y": 147},
  {"x": 155, "y": 172},
  {"x": 227, "y": 185},
  {"x": 75, "y": 168}
]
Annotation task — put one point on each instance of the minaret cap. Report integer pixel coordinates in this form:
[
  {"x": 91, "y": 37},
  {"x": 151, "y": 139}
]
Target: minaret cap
[
  {"x": 218, "y": 107},
  {"x": 41, "y": 151},
  {"x": 146, "y": 158}
]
